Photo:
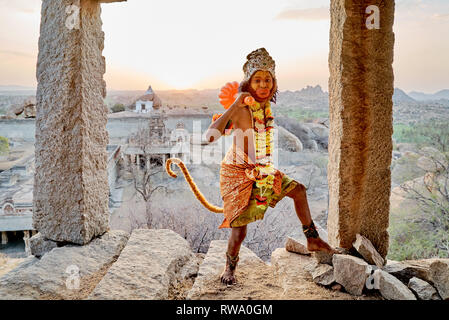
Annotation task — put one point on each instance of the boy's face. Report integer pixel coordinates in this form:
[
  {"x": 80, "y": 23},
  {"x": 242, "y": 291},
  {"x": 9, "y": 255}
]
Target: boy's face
[{"x": 261, "y": 85}]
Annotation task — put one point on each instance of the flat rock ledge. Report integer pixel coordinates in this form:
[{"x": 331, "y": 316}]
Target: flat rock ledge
[
  {"x": 152, "y": 261},
  {"x": 214, "y": 263},
  {"x": 69, "y": 272},
  {"x": 296, "y": 274},
  {"x": 439, "y": 270}
]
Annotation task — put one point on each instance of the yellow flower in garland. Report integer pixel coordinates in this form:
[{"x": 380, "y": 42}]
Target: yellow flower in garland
[{"x": 263, "y": 137}]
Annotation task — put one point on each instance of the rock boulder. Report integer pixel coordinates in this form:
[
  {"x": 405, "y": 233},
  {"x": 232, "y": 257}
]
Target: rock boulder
[
  {"x": 152, "y": 261},
  {"x": 392, "y": 288},
  {"x": 423, "y": 290},
  {"x": 367, "y": 250},
  {"x": 68, "y": 272},
  {"x": 440, "y": 275},
  {"x": 351, "y": 272}
]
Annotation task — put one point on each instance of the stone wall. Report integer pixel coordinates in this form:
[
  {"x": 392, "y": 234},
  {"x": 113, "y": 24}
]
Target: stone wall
[{"x": 118, "y": 128}]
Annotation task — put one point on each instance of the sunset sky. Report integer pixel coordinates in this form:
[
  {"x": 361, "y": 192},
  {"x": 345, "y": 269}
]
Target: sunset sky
[{"x": 202, "y": 44}]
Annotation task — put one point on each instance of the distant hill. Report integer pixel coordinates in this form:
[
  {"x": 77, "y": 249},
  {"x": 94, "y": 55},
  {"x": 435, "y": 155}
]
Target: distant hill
[
  {"x": 400, "y": 96},
  {"x": 420, "y": 96},
  {"x": 310, "y": 97}
]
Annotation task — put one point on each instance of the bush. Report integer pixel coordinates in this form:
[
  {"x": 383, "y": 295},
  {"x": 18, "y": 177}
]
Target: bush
[
  {"x": 4, "y": 145},
  {"x": 118, "y": 107},
  {"x": 435, "y": 134},
  {"x": 411, "y": 238},
  {"x": 421, "y": 231},
  {"x": 302, "y": 115}
]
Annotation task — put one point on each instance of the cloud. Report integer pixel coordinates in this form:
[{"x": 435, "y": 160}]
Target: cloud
[{"x": 321, "y": 13}]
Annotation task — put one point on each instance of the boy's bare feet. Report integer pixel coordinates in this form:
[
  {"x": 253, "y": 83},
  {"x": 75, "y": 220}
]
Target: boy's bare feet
[
  {"x": 318, "y": 244},
  {"x": 228, "y": 274},
  {"x": 227, "y": 277}
]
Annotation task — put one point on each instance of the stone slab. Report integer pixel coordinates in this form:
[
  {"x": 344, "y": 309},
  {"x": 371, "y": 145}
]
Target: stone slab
[
  {"x": 351, "y": 272},
  {"x": 367, "y": 250},
  {"x": 152, "y": 260},
  {"x": 39, "y": 245},
  {"x": 392, "y": 288},
  {"x": 54, "y": 275},
  {"x": 295, "y": 245},
  {"x": 440, "y": 275},
  {"x": 423, "y": 290},
  {"x": 323, "y": 274},
  {"x": 405, "y": 270}
]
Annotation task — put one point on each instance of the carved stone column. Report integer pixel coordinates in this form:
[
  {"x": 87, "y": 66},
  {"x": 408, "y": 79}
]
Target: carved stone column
[
  {"x": 4, "y": 237},
  {"x": 70, "y": 200},
  {"x": 26, "y": 239},
  {"x": 361, "y": 122}
]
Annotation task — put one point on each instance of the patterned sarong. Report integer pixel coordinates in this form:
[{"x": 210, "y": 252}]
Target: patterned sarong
[{"x": 238, "y": 191}]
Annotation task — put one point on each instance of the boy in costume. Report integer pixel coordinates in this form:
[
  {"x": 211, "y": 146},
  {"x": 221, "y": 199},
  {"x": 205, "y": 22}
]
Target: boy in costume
[{"x": 249, "y": 183}]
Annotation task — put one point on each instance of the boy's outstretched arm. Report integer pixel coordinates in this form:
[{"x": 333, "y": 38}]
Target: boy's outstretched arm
[{"x": 216, "y": 129}]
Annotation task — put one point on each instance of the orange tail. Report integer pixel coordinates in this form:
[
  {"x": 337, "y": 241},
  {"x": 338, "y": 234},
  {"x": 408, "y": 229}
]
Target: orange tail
[{"x": 192, "y": 184}]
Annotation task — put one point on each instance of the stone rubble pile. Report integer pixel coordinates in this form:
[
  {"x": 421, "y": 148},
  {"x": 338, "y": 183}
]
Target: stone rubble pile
[{"x": 362, "y": 270}]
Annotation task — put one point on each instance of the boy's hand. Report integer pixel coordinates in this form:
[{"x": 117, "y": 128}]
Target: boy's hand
[{"x": 239, "y": 102}]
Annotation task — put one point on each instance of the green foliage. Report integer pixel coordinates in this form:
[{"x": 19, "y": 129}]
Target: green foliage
[
  {"x": 421, "y": 231},
  {"x": 435, "y": 134},
  {"x": 4, "y": 145},
  {"x": 302, "y": 115},
  {"x": 411, "y": 237},
  {"x": 118, "y": 107}
]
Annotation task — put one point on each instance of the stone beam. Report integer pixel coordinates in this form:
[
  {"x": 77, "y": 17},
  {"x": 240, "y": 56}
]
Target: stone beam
[
  {"x": 70, "y": 197},
  {"x": 361, "y": 122}
]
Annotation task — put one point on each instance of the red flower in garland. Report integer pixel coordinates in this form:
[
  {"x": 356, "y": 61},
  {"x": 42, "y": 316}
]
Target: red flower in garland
[{"x": 260, "y": 200}]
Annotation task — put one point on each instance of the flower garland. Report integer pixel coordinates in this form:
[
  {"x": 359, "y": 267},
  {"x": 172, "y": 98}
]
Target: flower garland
[{"x": 263, "y": 136}]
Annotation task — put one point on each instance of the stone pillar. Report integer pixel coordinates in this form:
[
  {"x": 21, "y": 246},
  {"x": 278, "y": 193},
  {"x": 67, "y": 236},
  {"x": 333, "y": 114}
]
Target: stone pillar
[
  {"x": 361, "y": 122},
  {"x": 26, "y": 239},
  {"x": 4, "y": 237},
  {"x": 70, "y": 198}
]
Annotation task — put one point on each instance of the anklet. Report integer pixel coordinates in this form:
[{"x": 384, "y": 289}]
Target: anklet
[
  {"x": 232, "y": 261},
  {"x": 310, "y": 231}
]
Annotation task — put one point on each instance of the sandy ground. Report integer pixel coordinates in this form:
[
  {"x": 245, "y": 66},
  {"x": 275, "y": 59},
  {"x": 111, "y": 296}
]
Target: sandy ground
[
  {"x": 258, "y": 282},
  {"x": 7, "y": 264}
]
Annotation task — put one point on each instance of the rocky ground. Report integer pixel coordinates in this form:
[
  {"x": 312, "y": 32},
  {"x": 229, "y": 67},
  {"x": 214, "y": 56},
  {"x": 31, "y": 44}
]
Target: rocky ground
[{"x": 160, "y": 264}]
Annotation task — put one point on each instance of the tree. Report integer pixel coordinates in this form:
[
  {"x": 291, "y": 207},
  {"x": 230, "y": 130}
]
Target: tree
[
  {"x": 4, "y": 145},
  {"x": 431, "y": 193},
  {"x": 118, "y": 107},
  {"x": 142, "y": 173}
]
